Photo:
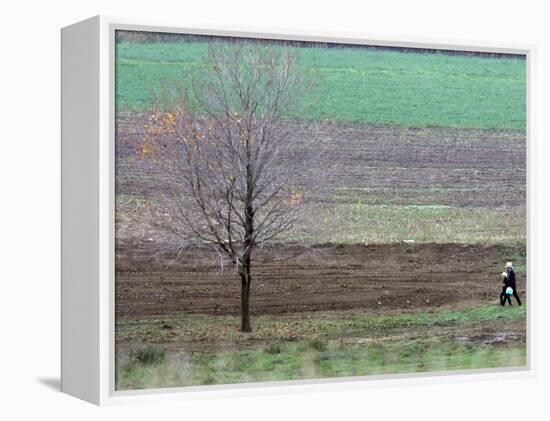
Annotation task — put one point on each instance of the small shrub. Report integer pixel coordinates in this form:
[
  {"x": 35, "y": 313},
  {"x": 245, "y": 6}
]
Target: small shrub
[
  {"x": 207, "y": 379},
  {"x": 318, "y": 344},
  {"x": 147, "y": 356},
  {"x": 274, "y": 348}
]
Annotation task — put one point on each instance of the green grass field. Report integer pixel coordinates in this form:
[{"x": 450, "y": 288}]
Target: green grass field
[
  {"x": 358, "y": 85},
  {"x": 316, "y": 347}
]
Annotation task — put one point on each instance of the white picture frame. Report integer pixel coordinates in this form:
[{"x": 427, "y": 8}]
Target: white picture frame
[{"x": 87, "y": 341}]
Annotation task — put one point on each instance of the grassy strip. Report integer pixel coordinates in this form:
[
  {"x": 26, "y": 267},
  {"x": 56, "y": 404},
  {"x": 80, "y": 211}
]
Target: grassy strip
[
  {"x": 362, "y": 223},
  {"x": 204, "y": 328},
  {"x": 315, "y": 348},
  {"x": 314, "y": 359},
  {"x": 358, "y": 85}
]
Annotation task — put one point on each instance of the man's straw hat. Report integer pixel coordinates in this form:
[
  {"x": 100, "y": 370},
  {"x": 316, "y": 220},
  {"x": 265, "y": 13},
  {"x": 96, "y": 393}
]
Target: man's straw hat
[{"x": 509, "y": 264}]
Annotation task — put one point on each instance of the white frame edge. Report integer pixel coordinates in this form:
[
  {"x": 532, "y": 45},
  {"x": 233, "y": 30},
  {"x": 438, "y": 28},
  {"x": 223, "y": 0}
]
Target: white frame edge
[
  {"x": 80, "y": 280},
  {"x": 97, "y": 328}
]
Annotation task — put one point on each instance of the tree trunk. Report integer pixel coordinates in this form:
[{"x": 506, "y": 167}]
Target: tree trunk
[
  {"x": 245, "y": 299},
  {"x": 249, "y": 244}
]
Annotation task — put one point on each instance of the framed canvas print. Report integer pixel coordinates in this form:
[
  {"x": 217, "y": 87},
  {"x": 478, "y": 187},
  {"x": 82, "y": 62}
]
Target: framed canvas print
[{"x": 249, "y": 208}]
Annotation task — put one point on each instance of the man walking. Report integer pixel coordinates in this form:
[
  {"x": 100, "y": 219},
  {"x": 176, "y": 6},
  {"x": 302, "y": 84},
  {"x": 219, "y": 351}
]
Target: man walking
[
  {"x": 503, "y": 296},
  {"x": 510, "y": 281}
]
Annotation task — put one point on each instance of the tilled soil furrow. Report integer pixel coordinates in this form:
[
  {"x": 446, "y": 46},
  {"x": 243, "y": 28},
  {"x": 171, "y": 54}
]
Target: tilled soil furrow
[{"x": 370, "y": 277}]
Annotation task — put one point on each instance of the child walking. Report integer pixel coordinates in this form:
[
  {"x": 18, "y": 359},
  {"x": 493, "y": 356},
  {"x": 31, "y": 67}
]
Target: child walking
[{"x": 503, "y": 295}]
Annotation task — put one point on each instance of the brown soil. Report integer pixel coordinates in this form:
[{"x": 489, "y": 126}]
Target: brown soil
[
  {"x": 377, "y": 164},
  {"x": 341, "y": 277}
]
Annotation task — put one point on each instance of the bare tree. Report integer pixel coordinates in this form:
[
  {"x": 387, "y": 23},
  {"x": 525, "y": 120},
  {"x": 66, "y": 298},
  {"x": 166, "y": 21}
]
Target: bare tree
[{"x": 235, "y": 160}]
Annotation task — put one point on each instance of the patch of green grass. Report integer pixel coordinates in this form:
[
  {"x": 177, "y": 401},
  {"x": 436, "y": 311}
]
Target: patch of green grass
[
  {"x": 131, "y": 200},
  {"x": 436, "y": 223},
  {"x": 324, "y": 347},
  {"x": 358, "y": 85},
  {"x": 275, "y": 347},
  {"x": 149, "y": 355},
  {"x": 300, "y": 361},
  {"x": 318, "y": 344},
  {"x": 472, "y": 315},
  {"x": 315, "y": 331}
]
